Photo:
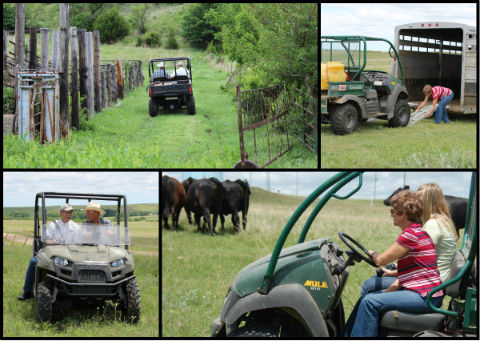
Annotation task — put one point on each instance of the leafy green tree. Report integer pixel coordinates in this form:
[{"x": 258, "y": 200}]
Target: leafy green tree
[
  {"x": 172, "y": 42},
  {"x": 196, "y": 29},
  {"x": 138, "y": 18},
  {"x": 112, "y": 26},
  {"x": 8, "y": 16}
]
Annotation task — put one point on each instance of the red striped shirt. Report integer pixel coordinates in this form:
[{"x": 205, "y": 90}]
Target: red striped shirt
[
  {"x": 417, "y": 270},
  {"x": 439, "y": 92}
]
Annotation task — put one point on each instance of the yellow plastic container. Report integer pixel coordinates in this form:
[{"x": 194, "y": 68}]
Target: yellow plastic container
[{"x": 332, "y": 72}]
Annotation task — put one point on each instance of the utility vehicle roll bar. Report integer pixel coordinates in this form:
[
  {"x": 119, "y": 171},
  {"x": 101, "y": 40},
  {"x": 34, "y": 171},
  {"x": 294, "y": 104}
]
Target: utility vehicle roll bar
[{"x": 336, "y": 182}]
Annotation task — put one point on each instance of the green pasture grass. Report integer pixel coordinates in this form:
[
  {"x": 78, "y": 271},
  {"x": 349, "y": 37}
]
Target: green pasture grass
[
  {"x": 20, "y": 318},
  {"x": 423, "y": 145}
]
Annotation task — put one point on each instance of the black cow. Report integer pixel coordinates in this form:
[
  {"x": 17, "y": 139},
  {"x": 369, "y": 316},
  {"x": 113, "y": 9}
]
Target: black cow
[
  {"x": 458, "y": 207},
  {"x": 205, "y": 197},
  {"x": 186, "y": 184},
  {"x": 173, "y": 199},
  {"x": 237, "y": 198}
]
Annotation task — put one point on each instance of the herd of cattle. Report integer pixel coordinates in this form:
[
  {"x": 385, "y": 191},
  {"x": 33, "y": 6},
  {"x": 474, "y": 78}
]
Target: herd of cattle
[{"x": 204, "y": 197}]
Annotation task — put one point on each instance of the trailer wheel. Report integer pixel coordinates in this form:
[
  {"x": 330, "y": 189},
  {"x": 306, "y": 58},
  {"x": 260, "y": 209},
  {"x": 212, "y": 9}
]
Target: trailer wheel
[
  {"x": 344, "y": 119},
  {"x": 401, "y": 114}
]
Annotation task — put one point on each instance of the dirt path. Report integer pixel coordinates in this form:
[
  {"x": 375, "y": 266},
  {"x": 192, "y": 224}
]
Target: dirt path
[{"x": 15, "y": 238}]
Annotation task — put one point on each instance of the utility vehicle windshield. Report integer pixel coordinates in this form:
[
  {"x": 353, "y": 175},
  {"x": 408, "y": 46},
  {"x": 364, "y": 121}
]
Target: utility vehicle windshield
[{"x": 85, "y": 234}]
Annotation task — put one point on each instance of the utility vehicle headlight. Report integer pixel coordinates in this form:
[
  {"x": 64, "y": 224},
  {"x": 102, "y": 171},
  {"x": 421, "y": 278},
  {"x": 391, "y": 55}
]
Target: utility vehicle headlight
[
  {"x": 60, "y": 261},
  {"x": 118, "y": 263}
]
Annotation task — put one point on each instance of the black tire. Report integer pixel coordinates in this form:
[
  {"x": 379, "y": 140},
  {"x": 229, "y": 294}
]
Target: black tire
[
  {"x": 255, "y": 330},
  {"x": 44, "y": 302},
  {"x": 191, "y": 105},
  {"x": 131, "y": 311},
  {"x": 152, "y": 108},
  {"x": 401, "y": 114},
  {"x": 344, "y": 119}
]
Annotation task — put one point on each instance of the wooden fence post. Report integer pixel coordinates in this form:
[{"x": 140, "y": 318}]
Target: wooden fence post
[
  {"x": 44, "y": 48},
  {"x": 74, "y": 93},
  {"x": 32, "y": 56},
  {"x": 96, "y": 70},
  {"x": 90, "y": 95},
  {"x": 118, "y": 64},
  {"x": 20, "y": 35},
  {"x": 63, "y": 71},
  {"x": 55, "y": 38},
  {"x": 103, "y": 87},
  {"x": 82, "y": 67}
]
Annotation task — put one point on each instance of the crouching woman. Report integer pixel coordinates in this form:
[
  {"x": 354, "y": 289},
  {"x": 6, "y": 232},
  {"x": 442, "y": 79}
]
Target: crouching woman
[{"x": 417, "y": 271}]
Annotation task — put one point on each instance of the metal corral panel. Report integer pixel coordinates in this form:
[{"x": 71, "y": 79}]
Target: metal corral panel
[
  {"x": 41, "y": 87},
  {"x": 439, "y": 53}
]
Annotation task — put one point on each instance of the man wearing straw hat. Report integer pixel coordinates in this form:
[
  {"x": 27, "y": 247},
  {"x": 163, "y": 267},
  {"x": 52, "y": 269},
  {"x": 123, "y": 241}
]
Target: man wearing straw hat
[
  {"x": 93, "y": 211},
  {"x": 160, "y": 73}
]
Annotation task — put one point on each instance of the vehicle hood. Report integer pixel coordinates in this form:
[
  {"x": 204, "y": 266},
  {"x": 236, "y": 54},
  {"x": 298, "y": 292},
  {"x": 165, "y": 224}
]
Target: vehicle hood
[
  {"x": 81, "y": 253},
  {"x": 299, "y": 256}
]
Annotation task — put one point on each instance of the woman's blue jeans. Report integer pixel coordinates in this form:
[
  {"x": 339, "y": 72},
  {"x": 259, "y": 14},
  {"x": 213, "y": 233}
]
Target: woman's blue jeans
[
  {"x": 365, "y": 316},
  {"x": 441, "y": 110}
]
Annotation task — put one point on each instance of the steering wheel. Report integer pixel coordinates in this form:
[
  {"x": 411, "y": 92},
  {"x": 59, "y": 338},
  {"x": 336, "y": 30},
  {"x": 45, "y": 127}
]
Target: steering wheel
[{"x": 343, "y": 236}]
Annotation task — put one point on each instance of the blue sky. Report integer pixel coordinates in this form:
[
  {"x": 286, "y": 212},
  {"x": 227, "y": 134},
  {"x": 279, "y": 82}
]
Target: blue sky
[
  {"x": 452, "y": 183},
  {"x": 19, "y": 188},
  {"x": 379, "y": 20}
]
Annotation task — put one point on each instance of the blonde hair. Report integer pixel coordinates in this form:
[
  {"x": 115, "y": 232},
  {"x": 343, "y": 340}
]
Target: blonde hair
[
  {"x": 435, "y": 206},
  {"x": 427, "y": 89}
]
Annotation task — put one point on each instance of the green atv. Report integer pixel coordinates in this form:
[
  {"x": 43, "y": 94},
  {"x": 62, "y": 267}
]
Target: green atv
[
  {"x": 94, "y": 266},
  {"x": 172, "y": 92},
  {"x": 297, "y": 292},
  {"x": 365, "y": 93}
]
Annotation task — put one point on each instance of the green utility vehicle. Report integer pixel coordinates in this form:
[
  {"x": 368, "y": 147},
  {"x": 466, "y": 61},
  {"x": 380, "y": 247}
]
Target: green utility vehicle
[
  {"x": 297, "y": 292},
  {"x": 170, "y": 88},
  {"x": 89, "y": 267},
  {"x": 365, "y": 93}
]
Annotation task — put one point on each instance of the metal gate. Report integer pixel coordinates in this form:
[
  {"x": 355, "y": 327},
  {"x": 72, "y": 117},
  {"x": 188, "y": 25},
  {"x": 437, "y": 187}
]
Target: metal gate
[
  {"x": 38, "y": 106},
  {"x": 262, "y": 125}
]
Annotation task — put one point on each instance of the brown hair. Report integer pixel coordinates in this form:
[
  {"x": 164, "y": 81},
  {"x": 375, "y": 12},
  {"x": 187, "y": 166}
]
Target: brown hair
[
  {"x": 427, "y": 89},
  {"x": 435, "y": 206},
  {"x": 409, "y": 203}
]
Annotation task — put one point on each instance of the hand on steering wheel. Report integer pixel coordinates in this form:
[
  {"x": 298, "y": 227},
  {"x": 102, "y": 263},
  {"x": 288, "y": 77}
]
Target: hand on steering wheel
[{"x": 365, "y": 256}]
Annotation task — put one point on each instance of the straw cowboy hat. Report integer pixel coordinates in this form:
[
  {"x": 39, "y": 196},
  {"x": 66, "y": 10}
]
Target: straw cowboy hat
[
  {"x": 161, "y": 64},
  {"x": 93, "y": 206}
]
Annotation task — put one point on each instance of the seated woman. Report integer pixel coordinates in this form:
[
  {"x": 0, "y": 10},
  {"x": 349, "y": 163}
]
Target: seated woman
[
  {"x": 417, "y": 271},
  {"x": 439, "y": 226}
]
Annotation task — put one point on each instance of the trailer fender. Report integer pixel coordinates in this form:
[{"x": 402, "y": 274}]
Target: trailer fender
[{"x": 293, "y": 296}]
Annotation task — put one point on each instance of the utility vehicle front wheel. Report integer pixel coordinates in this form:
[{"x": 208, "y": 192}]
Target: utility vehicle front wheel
[
  {"x": 44, "y": 302},
  {"x": 131, "y": 310},
  {"x": 401, "y": 114}
]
